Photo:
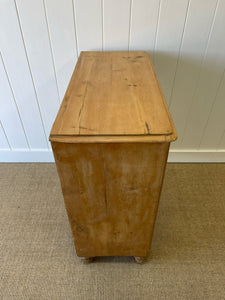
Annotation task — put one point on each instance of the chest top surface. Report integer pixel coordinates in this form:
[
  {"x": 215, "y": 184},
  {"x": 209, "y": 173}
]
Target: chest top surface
[{"x": 113, "y": 94}]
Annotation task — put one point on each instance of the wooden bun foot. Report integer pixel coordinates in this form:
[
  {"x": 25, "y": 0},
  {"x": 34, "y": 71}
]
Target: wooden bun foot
[
  {"x": 140, "y": 259},
  {"x": 87, "y": 259}
]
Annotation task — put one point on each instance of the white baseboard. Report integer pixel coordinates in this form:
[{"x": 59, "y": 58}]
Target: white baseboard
[
  {"x": 24, "y": 155},
  {"x": 197, "y": 156},
  {"x": 178, "y": 156}
]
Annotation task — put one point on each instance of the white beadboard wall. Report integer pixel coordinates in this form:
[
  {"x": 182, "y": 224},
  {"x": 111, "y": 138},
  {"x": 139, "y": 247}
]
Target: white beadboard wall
[{"x": 40, "y": 41}]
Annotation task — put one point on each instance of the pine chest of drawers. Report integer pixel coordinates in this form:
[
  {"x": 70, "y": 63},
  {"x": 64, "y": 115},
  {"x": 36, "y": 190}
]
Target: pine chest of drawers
[{"x": 110, "y": 141}]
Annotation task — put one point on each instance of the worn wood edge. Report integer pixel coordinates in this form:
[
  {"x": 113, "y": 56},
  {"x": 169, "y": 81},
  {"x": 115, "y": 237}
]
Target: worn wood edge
[
  {"x": 113, "y": 139},
  {"x": 159, "y": 197},
  {"x": 77, "y": 66},
  {"x": 109, "y": 52}
]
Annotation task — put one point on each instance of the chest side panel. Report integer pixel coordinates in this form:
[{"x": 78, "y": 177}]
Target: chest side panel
[{"x": 111, "y": 192}]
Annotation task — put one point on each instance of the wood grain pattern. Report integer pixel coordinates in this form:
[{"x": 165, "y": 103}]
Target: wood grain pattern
[
  {"x": 111, "y": 193},
  {"x": 110, "y": 141},
  {"x": 113, "y": 93}
]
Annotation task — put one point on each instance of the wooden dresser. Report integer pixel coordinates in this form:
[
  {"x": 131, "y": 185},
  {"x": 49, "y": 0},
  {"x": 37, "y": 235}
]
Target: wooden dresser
[{"x": 110, "y": 141}]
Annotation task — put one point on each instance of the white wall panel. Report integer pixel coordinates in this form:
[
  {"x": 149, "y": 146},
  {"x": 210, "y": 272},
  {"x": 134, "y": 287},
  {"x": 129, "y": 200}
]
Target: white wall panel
[
  {"x": 40, "y": 41},
  {"x": 213, "y": 135},
  {"x": 196, "y": 34},
  {"x": 88, "y": 16},
  {"x": 168, "y": 41},
  {"x": 116, "y": 24},
  {"x": 207, "y": 85},
  {"x": 35, "y": 33},
  {"x": 143, "y": 24},
  {"x": 14, "y": 56},
  {"x": 4, "y": 144},
  {"x": 221, "y": 145},
  {"x": 61, "y": 23},
  {"x": 9, "y": 115}
]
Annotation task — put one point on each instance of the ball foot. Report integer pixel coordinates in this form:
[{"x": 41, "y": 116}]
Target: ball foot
[
  {"x": 87, "y": 259},
  {"x": 140, "y": 259}
]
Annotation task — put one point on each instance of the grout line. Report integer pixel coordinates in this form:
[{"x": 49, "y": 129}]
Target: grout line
[
  {"x": 212, "y": 106},
  {"x": 75, "y": 26},
  {"x": 14, "y": 99},
  {"x": 102, "y": 15},
  {"x": 25, "y": 50},
  {"x": 179, "y": 53},
  {"x": 200, "y": 72},
  {"x": 130, "y": 24},
  {"x": 3, "y": 130},
  {"x": 51, "y": 49},
  {"x": 157, "y": 29}
]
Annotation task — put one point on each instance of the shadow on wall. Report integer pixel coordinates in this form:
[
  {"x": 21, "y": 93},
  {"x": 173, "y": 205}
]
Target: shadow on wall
[{"x": 191, "y": 84}]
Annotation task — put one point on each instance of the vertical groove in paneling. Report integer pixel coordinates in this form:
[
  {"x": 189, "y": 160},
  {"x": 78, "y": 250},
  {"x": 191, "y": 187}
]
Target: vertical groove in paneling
[
  {"x": 211, "y": 110},
  {"x": 116, "y": 24},
  {"x": 32, "y": 79},
  {"x": 179, "y": 53},
  {"x": 52, "y": 56},
  {"x": 157, "y": 28},
  {"x": 192, "y": 52},
  {"x": 102, "y": 15},
  {"x": 14, "y": 56},
  {"x": 130, "y": 23},
  {"x": 89, "y": 24},
  {"x": 4, "y": 136},
  {"x": 221, "y": 144},
  {"x": 168, "y": 42},
  {"x": 143, "y": 25},
  {"x": 75, "y": 30},
  {"x": 15, "y": 103},
  {"x": 212, "y": 71},
  {"x": 35, "y": 32},
  {"x": 210, "y": 32},
  {"x": 200, "y": 73},
  {"x": 60, "y": 15},
  {"x": 212, "y": 86}
]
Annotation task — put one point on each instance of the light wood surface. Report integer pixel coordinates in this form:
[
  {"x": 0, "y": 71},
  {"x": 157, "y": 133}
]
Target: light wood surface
[
  {"x": 111, "y": 193},
  {"x": 114, "y": 139},
  {"x": 113, "y": 94},
  {"x": 110, "y": 142}
]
